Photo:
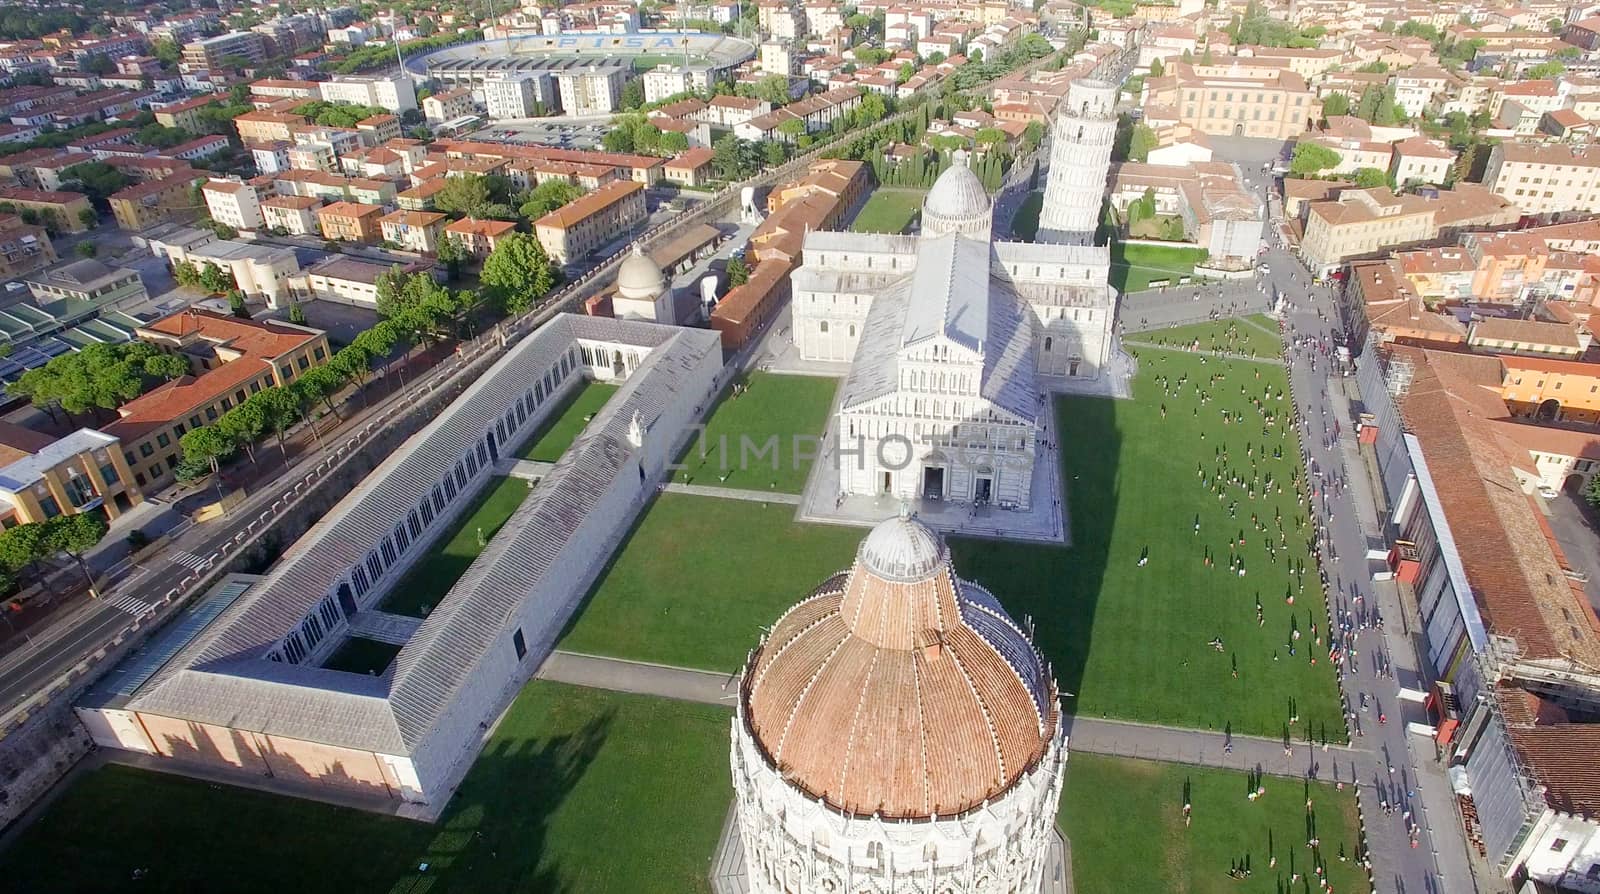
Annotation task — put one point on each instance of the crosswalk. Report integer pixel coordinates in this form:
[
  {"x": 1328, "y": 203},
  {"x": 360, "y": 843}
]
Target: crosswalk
[
  {"x": 186, "y": 559},
  {"x": 133, "y": 605}
]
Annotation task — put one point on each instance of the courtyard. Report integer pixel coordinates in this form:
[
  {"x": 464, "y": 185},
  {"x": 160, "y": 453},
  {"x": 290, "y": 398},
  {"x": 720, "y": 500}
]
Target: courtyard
[
  {"x": 761, "y": 435},
  {"x": 1125, "y": 820},
  {"x": 435, "y": 573},
  {"x": 541, "y": 810},
  {"x": 567, "y": 422},
  {"x": 889, "y": 210},
  {"x": 1221, "y": 627}
]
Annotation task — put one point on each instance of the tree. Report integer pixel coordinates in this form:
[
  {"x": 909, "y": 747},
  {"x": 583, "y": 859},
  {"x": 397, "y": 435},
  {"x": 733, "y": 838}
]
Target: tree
[
  {"x": 1335, "y": 104},
  {"x": 97, "y": 179},
  {"x": 23, "y": 547},
  {"x": 75, "y": 535},
  {"x": 632, "y": 94},
  {"x": 166, "y": 51},
  {"x": 297, "y": 314},
  {"x": 738, "y": 274},
  {"x": 186, "y": 273},
  {"x": 1544, "y": 70},
  {"x": 1157, "y": 68},
  {"x": 546, "y": 197},
  {"x": 1309, "y": 158},
  {"x": 774, "y": 153},
  {"x": 792, "y": 128},
  {"x": 204, "y": 449},
  {"x": 236, "y": 304},
  {"x": 216, "y": 280},
  {"x": 1143, "y": 140},
  {"x": 243, "y": 425},
  {"x": 1032, "y": 135},
  {"x": 727, "y": 158},
  {"x": 86, "y": 249},
  {"x": 279, "y": 410},
  {"x": 1368, "y": 178},
  {"x": 452, "y": 254},
  {"x": 673, "y": 142},
  {"x": 617, "y": 139},
  {"x": 1590, "y": 493},
  {"x": 98, "y": 376},
  {"x": 473, "y": 196},
  {"x": 317, "y": 385},
  {"x": 518, "y": 272}
]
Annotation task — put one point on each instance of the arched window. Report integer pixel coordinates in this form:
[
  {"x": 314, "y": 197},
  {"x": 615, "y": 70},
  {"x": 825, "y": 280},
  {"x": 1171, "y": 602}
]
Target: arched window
[
  {"x": 822, "y": 326},
  {"x": 852, "y": 330},
  {"x": 1047, "y": 343}
]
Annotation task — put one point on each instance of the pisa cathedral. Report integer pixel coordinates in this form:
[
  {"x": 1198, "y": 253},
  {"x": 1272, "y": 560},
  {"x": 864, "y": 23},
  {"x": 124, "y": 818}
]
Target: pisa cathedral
[{"x": 952, "y": 336}]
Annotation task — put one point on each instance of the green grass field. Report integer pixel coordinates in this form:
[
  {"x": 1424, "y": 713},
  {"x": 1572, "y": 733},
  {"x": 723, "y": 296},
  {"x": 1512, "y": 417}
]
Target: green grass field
[
  {"x": 730, "y": 452},
  {"x": 698, "y": 578},
  {"x": 434, "y": 574},
  {"x": 564, "y": 425},
  {"x": 1125, "y": 821},
  {"x": 888, "y": 211},
  {"x": 1025, "y": 223},
  {"x": 568, "y": 774},
  {"x": 362, "y": 656},
  {"x": 1134, "y": 266},
  {"x": 1233, "y": 336}
]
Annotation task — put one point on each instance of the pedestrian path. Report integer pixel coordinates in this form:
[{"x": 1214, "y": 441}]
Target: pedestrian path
[
  {"x": 1120, "y": 738},
  {"x": 733, "y": 493},
  {"x": 133, "y": 605},
  {"x": 186, "y": 559}
]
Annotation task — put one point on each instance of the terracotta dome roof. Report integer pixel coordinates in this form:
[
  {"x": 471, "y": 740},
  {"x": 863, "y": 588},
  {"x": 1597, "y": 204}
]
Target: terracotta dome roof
[
  {"x": 640, "y": 277},
  {"x": 898, "y": 688}
]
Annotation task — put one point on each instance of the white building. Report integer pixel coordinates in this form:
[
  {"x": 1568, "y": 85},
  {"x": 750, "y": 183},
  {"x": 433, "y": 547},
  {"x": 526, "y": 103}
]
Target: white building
[
  {"x": 396, "y": 93},
  {"x": 1080, "y": 154},
  {"x": 509, "y": 97},
  {"x": 233, "y": 202},
  {"x": 947, "y": 333},
  {"x": 670, "y": 80},
  {"x": 250, "y": 691},
  {"x": 897, "y": 731},
  {"x": 642, "y": 291},
  {"x": 594, "y": 90}
]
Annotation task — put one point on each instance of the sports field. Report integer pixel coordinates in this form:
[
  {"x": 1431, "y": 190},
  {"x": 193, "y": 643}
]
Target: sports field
[
  {"x": 889, "y": 210},
  {"x": 1125, "y": 821},
  {"x": 569, "y": 775},
  {"x": 700, "y": 577}
]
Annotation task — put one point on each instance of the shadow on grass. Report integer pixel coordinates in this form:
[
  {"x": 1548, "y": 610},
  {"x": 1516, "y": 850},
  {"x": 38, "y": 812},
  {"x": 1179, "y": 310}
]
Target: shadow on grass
[{"x": 1059, "y": 587}]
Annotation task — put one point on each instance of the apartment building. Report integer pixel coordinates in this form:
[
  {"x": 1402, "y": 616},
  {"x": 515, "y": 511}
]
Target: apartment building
[
  {"x": 594, "y": 90},
  {"x": 294, "y": 215},
  {"x": 347, "y": 280},
  {"x": 1420, "y": 160},
  {"x": 184, "y": 114},
  {"x": 447, "y": 105},
  {"x": 395, "y": 92},
  {"x": 1535, "y": 337},
  {"x": 350, "y": 222},
  {"x": 1237, "y": 98},
  {"x": 42, "y": 477},
  {"x": 262, "y": 272},
  {"x": 146, "y": 204},
  {"x": 24, "y": 247},
  {"x": 209, "y": 53},
  {"x": 264, "y": 126},
  {"x": 413, "y": 230},
  {"x": 229, "y": 359},
  {"x": 279, "y": 88},
  {"x": 234, "y": 203},
  {"x": 479, "y": 237},
  {"x": 68, "y": 212},
  {"x": 591, "y": 220},
  {"x": 1545, "y": 178},
  {"x": 1363, "y": 221}
]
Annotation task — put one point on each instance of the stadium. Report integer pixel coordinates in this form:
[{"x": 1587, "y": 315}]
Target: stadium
[{"x": 474, "y": 63}]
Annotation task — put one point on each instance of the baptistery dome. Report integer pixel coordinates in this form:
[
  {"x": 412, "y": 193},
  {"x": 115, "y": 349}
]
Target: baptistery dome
[
  {"x": 898, "y": 689},
  {"x": 640, "y": 277}
]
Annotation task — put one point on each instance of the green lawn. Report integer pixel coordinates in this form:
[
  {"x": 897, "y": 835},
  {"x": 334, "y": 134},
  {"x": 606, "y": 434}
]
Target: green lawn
[
  {"x": 359, "y": 655},
  {"x": 888, "y": 211},
  {"x": 568, "y": 774},
  {"x": 434, "y": 574},
  {"x": 1125, "y": 821},
  {"x": 698, "y": 578},
  {"x": 733, "y": 449},
  {"x": 1134, "y": 266},
  {"x": 1222, "y": 335},
  {"x": 565, "y": 423},
  {"x": 1025, "y": 223}
]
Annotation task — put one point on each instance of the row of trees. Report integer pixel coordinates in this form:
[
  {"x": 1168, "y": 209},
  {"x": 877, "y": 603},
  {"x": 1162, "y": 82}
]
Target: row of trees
[
  {"x": 25, "y": 549},
  {"x": 633, "y": 132},
  {"x": 332, "y": 114},
  {"x": 414, "y": 309},
  {"x": 377, "y": 57},
  {"x": 99, "y": 376}
]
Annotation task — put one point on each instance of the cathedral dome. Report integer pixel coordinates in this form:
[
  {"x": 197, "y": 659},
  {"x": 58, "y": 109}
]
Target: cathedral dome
[
  {"x": 898, "y": 689},
  {"x": 957, "y": 203},
  {"x": 640, "y": 277}
]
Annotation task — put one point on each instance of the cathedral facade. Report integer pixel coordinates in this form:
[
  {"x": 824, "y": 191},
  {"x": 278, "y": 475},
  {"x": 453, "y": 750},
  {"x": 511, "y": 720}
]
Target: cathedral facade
[{"x": 952, "y": 336}]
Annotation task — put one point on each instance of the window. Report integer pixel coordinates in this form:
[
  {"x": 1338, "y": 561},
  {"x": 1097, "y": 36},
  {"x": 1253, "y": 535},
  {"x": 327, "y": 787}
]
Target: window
[
  {"x": 303, "y": 363},
  {"x": 108, "y": 473},
  {"x": 179, "y": 429},
  {"x": 163, "y": 440},
  {"x": 287, "y": 371},
  {"x": 520, "y": 644},
  {"x": 211, "y": 414},
  {"x": 822, "y": 326},
  {"x": 1559, "y": 845},
  {"x": 49, "y": 507},
  {"x": 146, "y": 450},
  {"x": 194, "y": 421}
]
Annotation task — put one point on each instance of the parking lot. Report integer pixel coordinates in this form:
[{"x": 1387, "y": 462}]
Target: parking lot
[{"x": 584, "y": 134}]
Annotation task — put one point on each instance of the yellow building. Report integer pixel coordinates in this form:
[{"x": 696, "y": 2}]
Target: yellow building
[
  {"x": 230, "y": 359},
  {"x": 1239, "y": 97},
  {"x": 266, "y": 127},
  {"x": 1551, "y": 389},
  {"x": 185, "y": 114},
  {"x": 42, "y": 477},
  {"x": 144, "y": 205},
  {"x": 591, "y": 220},
  {"x": 69, "y": 211},
  {"x": 1364, "y": 221}
]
